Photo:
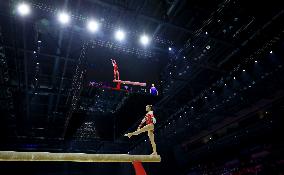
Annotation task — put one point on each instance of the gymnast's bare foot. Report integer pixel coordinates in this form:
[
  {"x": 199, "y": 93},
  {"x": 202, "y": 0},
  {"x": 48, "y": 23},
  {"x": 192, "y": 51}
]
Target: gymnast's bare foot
[
  {"x": 154, "y": 153},
  {"x": 128, "y": 135}
]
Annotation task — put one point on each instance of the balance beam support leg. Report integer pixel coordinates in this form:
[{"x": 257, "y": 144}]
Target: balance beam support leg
[{"x": 139, "y": 169}]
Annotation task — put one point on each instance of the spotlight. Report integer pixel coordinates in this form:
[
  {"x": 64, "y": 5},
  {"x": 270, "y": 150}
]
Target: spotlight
[
  {"x": 119, "y": 35},
  {"x": 184, "y": 57},
  {"x": 24, "y": 9},
  {"x": 206, "y": 33},
  {"x": 37, "y": 63},
  {"x": 271, "y": 51},
  {"x": 144, "y": 39},
  {"x": 213, "y": 91},
  {"x": 64, "y": 18},
  {"x": 244, "y": 70},
  {"x": 225, "y": 84},
  {"x": 255, "y": 61},
  {"x": 208, "y": 47},
  {"x": 191, "y": 107},
  {"x": 93, "y": 26},
  {"x": 234, "y": 78},
  {"x": 205, "y": 97},
  {"x": 170, "y": 48}
]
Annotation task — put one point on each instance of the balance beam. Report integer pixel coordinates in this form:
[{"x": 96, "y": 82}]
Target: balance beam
[
  {"x": 130, "y": 82},
  {"x": 75, "y": 157}
]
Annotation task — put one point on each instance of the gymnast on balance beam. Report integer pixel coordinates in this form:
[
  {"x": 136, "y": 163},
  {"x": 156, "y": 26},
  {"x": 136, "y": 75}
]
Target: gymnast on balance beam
[
  {"x": 150, "y": 120},
  {"x": 115, "y": 70}
]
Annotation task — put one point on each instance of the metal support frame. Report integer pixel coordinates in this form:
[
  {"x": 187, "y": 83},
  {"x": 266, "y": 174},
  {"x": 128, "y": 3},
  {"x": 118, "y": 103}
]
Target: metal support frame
[
  {"x": 77, "y": 85},
  {"x": 26, "y": 73}
]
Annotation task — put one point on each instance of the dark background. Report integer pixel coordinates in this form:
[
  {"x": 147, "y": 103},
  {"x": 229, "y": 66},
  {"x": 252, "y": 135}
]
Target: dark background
[{"x": 220, "y": 105}]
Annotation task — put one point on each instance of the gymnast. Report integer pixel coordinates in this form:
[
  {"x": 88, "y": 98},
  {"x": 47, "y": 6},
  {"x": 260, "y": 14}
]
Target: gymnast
[{"x": 150, "y": 120}]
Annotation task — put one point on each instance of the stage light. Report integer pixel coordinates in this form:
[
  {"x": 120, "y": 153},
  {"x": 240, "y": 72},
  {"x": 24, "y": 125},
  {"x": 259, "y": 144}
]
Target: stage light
[
  {"x": 213, "y": 91},
  {"x": 184, "y": 57},
  {"x": 119, "y": 35},
  {"x": 37, "y": 63},
  {"x": 225, "y": 84},
  {"x": 192, "y": 46},
  {"x": 191, "y": 107},
  {"x": 255, "y": 61},
  {"x": 271, "y": 51},
  {"x": 205, "y": 97},
  {"x": 234, "y": 78},
  {"x": 93, "y": 26},
  {"x": 244, "y": 70},
  {"x": 24, "y": 9},
  {"x": 170, "y": 48},
  {"x": 208, "y": 47},
  {"x": 145, "y": 40},
  {"x": 206, "y": 33},
  {"x": 64, "y": 18}
]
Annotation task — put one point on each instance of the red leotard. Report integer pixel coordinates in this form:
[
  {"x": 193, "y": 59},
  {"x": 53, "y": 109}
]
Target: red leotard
[
  {"x": 115, "y": 67},
  {"x": 149, "y": 119}
]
